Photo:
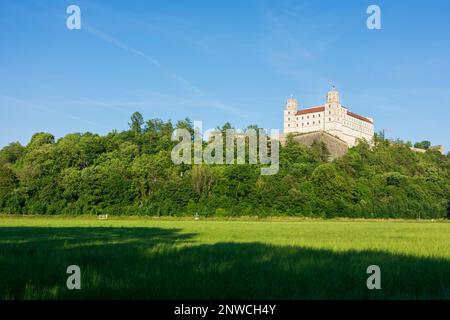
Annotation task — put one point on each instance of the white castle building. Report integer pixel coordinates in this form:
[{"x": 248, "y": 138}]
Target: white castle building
[{"x": 331, "y": 117}]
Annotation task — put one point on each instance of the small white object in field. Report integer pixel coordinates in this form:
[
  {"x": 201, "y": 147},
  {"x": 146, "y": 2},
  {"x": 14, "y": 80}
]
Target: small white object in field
[
  {"x": 196, "y": 216},
  {"x": 103, "y": 216}
]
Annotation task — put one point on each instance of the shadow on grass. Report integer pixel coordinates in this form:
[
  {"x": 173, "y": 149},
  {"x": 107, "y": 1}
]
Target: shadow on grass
[{"x": 156, "y": 263}]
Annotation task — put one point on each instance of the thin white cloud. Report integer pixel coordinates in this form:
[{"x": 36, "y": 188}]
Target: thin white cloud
[{"x": 119, "y": 44}]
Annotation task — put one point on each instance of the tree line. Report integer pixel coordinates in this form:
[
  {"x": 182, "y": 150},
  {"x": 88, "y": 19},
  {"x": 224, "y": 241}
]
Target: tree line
[{"x": 131, "y": 173}]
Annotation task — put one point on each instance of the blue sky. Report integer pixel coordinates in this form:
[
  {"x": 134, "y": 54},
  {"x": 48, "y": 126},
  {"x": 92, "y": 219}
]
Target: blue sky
[{"x": 219, "y": 61}]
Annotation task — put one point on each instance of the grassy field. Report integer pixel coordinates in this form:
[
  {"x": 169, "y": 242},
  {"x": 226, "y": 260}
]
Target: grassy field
[{"x": 147, "y": 258}]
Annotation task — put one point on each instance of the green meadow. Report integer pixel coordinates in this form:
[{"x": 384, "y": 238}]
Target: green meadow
[{"x": 151, "y": 258}]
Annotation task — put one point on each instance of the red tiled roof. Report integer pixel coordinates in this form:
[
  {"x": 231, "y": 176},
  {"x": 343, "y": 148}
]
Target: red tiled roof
[
  {"x": 357, "y": 116},
  {"x": 320, "y": 109},
  {"x": 310, "y": 110}
]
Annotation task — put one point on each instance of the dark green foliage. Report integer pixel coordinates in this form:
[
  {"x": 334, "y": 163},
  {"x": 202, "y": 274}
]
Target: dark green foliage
[
  {"x": 448, "y": 210},
  {"x": 8, "y": 181},
  {"x": 136, "y": 122},
  {"x": 40, "y": 139},
  {"x": 11, "y": 153},
  {"x": 423, "y": 145},
  {"x": 320, "y": 151},
  {"x": 131, "y": 172}
]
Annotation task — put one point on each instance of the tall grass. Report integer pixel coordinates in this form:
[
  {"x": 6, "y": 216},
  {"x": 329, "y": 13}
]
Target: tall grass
[{"x": 163, "y": 259}]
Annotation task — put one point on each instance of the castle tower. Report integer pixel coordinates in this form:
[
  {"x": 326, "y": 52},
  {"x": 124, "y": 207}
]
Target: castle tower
[
  {"x": 333, "y": 96},
  {"x": 291, "y": 104},
  {"x": 289, "y": 114}
]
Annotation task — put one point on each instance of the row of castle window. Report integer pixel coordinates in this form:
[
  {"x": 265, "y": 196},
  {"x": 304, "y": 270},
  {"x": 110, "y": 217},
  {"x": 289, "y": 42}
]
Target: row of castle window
[
  {"x": 313, "y": 123},
  {"x": 357, "y": 123},
  {"x": 329, "y": 119},
  {"x": 303, "y": 124},
  {"x": 347, "y": 122},
  {"x": 289, "y": 119}
]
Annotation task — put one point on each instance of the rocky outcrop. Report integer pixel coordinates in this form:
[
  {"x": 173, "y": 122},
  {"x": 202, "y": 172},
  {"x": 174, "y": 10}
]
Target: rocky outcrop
[{"x": 336, "y": 146}]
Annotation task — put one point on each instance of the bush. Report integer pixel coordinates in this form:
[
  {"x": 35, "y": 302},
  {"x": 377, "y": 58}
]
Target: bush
[{"x": 220, "y": 212}]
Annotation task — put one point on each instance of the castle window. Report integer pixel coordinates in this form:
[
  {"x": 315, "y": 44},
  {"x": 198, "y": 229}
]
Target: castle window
[
  {"x": 329, "y": 119},
  {"x": 319, "y": 121},
  {"x": 307, "y": 124},
  {"x": 308, "y": 117},
  {"x": 313, "y": 122},
  {"x": 289, "y": 125},
  {"x": 302, "y": 118},
  {"x": 319, "y": 115},
  {"x": 313, "y": 116},
  {"x": 303, "y": 124},
  {"x": 329, "y": 112}
]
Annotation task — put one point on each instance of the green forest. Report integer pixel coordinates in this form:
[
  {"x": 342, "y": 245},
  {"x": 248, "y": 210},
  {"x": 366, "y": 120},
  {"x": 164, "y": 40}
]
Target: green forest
[{"x": 131, "y": 173}]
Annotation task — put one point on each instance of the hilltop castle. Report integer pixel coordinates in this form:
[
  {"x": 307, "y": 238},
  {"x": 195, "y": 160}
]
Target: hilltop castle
[{"x": 331, "y": 117}]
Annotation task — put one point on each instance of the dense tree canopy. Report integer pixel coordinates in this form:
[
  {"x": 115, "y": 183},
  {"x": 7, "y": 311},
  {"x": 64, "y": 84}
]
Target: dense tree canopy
[
  {"x": 131, "y": 172},
  {"x": 423, "y": 144}
]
